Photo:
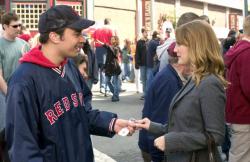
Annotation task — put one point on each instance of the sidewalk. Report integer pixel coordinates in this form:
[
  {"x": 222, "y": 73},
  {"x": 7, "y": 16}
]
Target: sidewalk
[{"x": 101, "y": 157}]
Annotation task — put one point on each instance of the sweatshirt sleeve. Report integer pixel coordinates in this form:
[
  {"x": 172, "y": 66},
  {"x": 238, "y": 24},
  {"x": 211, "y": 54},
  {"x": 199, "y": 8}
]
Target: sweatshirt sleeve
[
  {"x": 244, "y": 76},
  {"x": 100, "y": 122},
  {"x": 22, "y": 129}
]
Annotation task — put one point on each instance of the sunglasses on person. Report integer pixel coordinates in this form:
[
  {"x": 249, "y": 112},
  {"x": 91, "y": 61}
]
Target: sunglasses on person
[{"x": 16, "y": 26}]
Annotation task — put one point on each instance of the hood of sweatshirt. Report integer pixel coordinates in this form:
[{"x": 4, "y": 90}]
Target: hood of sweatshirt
[
  {"x": 36, "y": 56},
  {"x": 240, "y": 47}
]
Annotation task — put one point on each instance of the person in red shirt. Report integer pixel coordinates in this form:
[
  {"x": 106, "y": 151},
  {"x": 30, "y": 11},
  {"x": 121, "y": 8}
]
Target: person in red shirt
[{"x": 102, "y": 36}]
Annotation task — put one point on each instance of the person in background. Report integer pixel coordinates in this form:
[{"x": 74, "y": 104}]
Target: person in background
[
  {"x": 49, "y": 112},
  {"x": 102, "y": 36},
  {"x": 229, "y": 41},
  {"x": 35, "y": 40},
  {"x": 126, "y": 55},
  {"x": 81, "y": 62},
  {"x": 151, "y": 57},
  {"x": 11, "y": 49},
  {"x": 134, "y": 72},
  {"x": 162, "y": 49},
  {"x": 1, "y": 27},
  {"x": 194, "y": 113},
  {"x": 140, "y": 59},
  {"x": 238, "y": 96},
  {"x": 112, "y": 68},
  {"x": 25, "y": 34},
  {"x": 92, "y": 64}
]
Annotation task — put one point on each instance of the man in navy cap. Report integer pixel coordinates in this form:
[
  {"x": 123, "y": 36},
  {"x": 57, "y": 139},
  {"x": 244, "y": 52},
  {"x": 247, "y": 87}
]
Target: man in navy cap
[{"x": 49, "y": 113}]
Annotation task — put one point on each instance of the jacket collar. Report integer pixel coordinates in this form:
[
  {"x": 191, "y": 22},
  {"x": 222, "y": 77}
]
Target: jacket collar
[{"x": 183, "y": 91}]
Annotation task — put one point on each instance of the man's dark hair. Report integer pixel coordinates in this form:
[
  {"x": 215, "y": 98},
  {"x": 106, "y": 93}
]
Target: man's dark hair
[
  {"x": 232, "y": 33},
  {"x": 187, "y": 17},
  {"x": 8, "y": 17},
  {"x": 44, "y": 37},
  {"x": 205, "y": 18},
  {"x": 143, "y": 30},
  {"x": 107, "y": 21},
  {"x": 155, "y": 35}
]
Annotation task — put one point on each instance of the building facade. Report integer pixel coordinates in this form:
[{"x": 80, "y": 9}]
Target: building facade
[{"x": 129, "y": 16}]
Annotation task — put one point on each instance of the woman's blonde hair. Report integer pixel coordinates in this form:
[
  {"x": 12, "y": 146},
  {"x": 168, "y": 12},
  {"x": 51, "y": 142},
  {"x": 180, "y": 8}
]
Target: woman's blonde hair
[{"x": 203, "y": 50}]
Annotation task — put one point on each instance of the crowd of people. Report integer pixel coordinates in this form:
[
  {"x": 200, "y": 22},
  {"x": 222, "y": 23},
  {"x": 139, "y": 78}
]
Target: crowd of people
[{"x": 195, "y": 89}]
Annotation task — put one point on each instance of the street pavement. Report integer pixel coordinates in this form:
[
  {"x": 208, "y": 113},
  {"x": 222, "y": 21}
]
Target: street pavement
[{"x": 118, "y": 149}]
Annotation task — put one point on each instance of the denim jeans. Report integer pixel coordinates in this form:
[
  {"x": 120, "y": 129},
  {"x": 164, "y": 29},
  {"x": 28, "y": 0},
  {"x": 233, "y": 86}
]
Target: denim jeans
[
  {"x": 143, "y": 78},
  {"x": 101, "y": 53},
  {"x": 126, "y": 71},
  {"x": 101, "y": 75},
  {"x": 113, "y": 84}
]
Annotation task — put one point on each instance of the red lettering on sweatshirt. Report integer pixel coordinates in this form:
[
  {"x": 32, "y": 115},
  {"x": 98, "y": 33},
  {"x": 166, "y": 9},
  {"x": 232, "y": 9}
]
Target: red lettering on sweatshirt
[
  {"x": 51, "y": 116},
  {"x": 58, "y": 108},
  {"x": 66, "y": 103},
  {"x": 74, "y": 99}
]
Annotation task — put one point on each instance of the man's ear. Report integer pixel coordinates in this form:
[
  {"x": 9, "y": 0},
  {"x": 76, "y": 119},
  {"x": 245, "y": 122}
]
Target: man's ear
[
  {"x": 4, "y": 26},
  {"x": 54, "y": 37}
]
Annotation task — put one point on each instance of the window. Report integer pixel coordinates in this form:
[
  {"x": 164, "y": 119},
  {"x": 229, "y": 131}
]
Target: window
[{"x": 29, "y": 13}]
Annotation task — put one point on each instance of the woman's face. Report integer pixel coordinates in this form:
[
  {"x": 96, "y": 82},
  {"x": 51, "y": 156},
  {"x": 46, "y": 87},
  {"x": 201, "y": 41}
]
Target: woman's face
[
  {"x": 182, "y": 53},
  {"x": 113, "y": 40}
]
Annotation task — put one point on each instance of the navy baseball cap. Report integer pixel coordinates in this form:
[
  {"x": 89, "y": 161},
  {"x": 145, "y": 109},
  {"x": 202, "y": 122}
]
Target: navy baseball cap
[{"x": 62, "y": 16}]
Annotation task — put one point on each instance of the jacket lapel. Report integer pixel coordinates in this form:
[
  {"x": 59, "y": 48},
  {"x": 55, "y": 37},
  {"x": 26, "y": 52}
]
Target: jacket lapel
[{"x": 184, "y": 90}]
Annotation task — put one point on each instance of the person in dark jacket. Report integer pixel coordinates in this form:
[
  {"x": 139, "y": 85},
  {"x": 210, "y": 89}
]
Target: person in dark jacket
[
  {"x": 151, "y": 58},
  {"x": 92, "y": 65},
  {"x": 140, "y": 59},
  {"x": 112, "y": 68},
  {"x": 49, "y": 112},
  {"x": 229, "y": 41},
  {"x": 238, "y": 96},
  {"x": 159, "y": 95}
]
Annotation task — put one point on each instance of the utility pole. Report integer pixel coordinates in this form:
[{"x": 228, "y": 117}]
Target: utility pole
[{"x": 245, "y": 10}]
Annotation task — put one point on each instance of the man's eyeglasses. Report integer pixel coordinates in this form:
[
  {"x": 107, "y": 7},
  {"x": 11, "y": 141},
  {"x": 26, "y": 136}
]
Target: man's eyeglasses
[{"x": 16, "y": 26}]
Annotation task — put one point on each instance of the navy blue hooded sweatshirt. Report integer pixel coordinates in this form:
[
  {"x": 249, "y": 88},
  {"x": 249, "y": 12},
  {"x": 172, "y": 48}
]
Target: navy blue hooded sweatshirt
[{"x": 49, "y": 113}]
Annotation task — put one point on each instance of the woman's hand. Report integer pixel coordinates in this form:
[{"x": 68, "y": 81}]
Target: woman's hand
[
  {"x": 160, "y": 143},
  {"x": 143, "y": 123}
]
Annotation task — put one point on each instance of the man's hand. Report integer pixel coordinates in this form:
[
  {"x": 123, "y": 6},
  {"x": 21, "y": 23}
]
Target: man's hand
[
  {"x": 144, "y": 123},
  {"x": 121, "y": 123},
  {"x": 160, "y": 143},
  {"x": 3, "y": 85}
]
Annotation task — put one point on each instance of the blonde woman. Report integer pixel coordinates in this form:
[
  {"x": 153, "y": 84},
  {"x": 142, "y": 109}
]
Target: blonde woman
[{"x": 198, "y": 108}]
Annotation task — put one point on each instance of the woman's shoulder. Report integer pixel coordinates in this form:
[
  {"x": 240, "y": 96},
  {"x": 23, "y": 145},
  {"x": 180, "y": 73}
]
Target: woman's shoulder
[{"x": 211, "y": 79}]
